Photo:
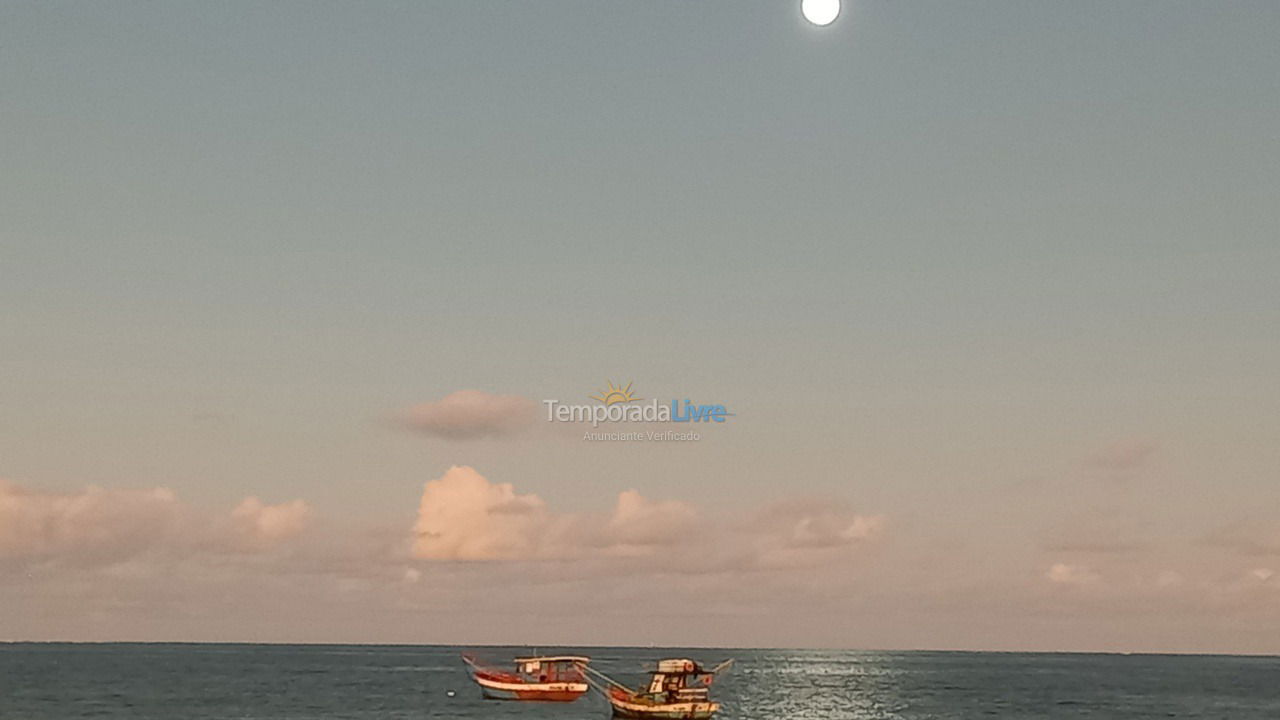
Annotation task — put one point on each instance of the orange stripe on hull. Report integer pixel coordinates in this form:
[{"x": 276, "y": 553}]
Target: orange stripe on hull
[{"x": 548, "y": 696}]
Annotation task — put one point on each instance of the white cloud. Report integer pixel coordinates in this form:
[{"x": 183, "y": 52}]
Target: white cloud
[{"x": 462, "y": 516}]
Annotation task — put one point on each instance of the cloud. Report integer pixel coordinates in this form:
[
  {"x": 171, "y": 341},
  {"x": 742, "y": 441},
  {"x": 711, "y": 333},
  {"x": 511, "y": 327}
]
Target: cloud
[
  {"x": 462, "y": 516},
  {"x": 1124, "y": 455},
  {"x": 239, "y": 573},
  {"x": 92, "y": 525},
  {"x": 827, "y": 530},
  {"x": 470, "y": 414},
  {"x": 465, "y": 517},
  {"x": 267, "y": 524},
  {"x": 102, "y": 526},
  {"x": 814, "y": 525},
  {"x": 801, "y": 533},
  {"x": 640, "y": 522},
  {"x": 1065, "y": 574}
]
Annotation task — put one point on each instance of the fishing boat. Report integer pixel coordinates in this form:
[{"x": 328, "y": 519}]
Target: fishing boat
[
  {"x": 544, "y": 678},
  {"x": 678, "y": 689}
]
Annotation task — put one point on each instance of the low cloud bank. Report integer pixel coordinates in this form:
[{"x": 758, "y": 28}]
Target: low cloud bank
[
  {"x": 101, "y": 526},
  {"x": 463, "y": 516}
]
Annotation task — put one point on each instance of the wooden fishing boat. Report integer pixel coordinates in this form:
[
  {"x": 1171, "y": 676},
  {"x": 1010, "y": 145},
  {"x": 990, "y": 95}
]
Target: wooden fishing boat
[
  {"x": 679, "y": 689},
  {"x": 544, "y": 678}
]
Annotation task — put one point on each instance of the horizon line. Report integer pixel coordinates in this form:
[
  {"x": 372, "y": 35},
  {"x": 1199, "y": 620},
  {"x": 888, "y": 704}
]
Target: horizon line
[{"x": 1170, "y": 653}]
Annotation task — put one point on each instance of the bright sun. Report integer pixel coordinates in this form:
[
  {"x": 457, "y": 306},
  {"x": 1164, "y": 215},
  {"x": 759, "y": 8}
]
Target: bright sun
[{"x": 820, "y": 12}]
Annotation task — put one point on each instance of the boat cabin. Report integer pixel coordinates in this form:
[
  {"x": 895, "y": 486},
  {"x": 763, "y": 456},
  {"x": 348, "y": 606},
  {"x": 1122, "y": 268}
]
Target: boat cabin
[
  {"x": 552, "y": 668},
  {"x": 680, "y": 680}
]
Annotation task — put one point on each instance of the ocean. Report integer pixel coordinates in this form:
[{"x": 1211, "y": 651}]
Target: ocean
[{"x": 54, "y": 681}]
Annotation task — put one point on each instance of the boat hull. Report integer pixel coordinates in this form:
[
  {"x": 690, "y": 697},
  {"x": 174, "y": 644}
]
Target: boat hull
[
  {"x": 663, "y": 711},
  {"x": 531, "y": 692}
]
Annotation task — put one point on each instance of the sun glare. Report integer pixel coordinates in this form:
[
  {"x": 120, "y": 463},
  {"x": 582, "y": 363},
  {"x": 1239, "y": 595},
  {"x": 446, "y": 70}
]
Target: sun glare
[{"x": 820, "y": 12}]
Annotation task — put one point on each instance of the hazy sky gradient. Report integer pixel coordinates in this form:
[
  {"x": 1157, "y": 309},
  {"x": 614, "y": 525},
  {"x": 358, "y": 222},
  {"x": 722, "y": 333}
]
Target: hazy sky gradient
[{"x": 1003, "y": 274}]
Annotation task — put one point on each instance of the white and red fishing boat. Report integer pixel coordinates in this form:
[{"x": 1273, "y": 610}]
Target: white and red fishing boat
[
  {"x": 679, "y": 689},
  {"x": 545, "y": 678}
]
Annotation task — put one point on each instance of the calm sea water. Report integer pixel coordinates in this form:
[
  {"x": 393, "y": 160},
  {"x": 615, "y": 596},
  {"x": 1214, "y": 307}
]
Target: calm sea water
[{"x": 199, "y": 682}]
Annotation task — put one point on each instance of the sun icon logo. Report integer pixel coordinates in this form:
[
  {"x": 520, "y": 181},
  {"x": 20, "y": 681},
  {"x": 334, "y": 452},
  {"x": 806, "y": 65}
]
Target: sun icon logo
[{"x": 615, "y": 394}]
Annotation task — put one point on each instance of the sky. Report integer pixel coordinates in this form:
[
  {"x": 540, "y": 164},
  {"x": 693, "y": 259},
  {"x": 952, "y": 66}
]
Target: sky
[{"x": 990, "y": 289}]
